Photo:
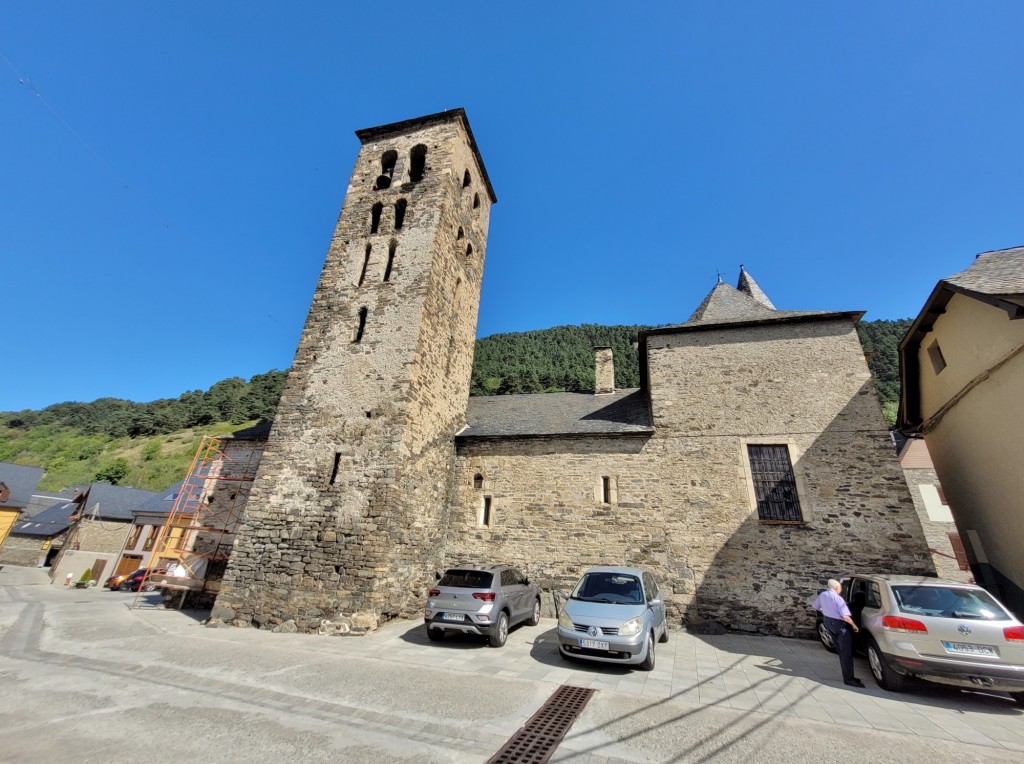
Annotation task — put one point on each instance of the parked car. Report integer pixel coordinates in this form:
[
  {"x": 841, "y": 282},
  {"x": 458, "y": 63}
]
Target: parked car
[
  {"x": 114, "y": 582},
  {"x": 613, "y": 615},
  {"x": 486, "y": 601},
  {"x": 942, "y": 631},
  {"x": 135, "y": 579}
]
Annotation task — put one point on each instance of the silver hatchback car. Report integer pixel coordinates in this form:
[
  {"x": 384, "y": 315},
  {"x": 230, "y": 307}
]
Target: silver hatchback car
[
  {"x": 486, "y": 601},
  {"x": 943, "y": 631},
  {"x": 613, "y": 615}
]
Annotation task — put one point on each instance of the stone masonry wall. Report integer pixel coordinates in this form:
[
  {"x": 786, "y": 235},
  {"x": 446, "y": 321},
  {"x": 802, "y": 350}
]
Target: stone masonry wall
[
  {"x": 684, "y": 504},
  {"x": 936, "y": 531},
  {"x": 22, "y": 550},
  {"x": 347, "y": 513}
]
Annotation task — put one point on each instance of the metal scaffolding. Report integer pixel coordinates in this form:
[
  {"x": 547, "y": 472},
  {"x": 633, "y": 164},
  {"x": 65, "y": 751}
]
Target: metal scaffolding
[{"x": 194, "y": 544}]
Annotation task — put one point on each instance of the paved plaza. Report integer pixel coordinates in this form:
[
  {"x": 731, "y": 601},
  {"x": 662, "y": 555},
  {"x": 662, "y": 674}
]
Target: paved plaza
[{"x": 87, "y": 678}]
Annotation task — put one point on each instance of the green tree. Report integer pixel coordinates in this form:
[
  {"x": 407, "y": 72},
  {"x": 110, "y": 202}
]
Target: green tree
[{"x": 113, "y": 472}]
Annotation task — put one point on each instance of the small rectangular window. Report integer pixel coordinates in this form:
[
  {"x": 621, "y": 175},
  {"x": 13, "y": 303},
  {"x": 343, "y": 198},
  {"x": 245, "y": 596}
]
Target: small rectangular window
[
  {"x": 936, "y": 357},
  {"x": 606, "y": 490},
  {"x": 150, "y": 539},
  {"x": 485, "y": 511},
  {"x": 774, "y": 483},
  {"x": 334, "y": 470}
]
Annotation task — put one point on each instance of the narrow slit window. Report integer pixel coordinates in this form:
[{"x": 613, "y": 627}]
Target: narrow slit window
[
  {"x": 606, "y": 489},
  {"x": 366, "y": 264},
  {"x": 466, "y": 180},
  {"x": 485, "y": 511},
  {"x": 387, "y": 169},
  {"x": 358, "y": 336},
  {"x": 774, "y": 483},
  {"x": 469, "y": 250},
  {"x": 391, "y": 260},
  {"x": 460, "y": 234},
  {"x": 400, "y": 213},
  {"x": 417, "y": 162},
  {"x": 334, "y": 469},
  {"x": 375, "y": 214},
  {"x": 478, "y": 481},
  {"x": 476, "y": 201}
]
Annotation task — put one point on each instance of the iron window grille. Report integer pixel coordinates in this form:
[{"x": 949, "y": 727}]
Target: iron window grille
[{"x": 774, "y": 483}]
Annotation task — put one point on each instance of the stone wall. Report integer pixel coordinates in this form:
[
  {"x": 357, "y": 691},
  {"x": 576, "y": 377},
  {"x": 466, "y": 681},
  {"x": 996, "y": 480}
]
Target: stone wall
[
  {"x": 22, "y": 550},
  {"x": 683, "y": 500},
  {"x": 349, "y": 506},
  {"x": 937, "y": 524}
]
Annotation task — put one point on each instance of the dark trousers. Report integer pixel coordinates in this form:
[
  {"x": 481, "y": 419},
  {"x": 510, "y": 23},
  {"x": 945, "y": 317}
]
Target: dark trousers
[{"x": 843, "y": 635}]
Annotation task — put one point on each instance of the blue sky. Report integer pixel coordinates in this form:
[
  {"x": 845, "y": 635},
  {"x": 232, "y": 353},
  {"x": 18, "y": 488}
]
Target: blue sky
[{"x": 171, "y": 172}]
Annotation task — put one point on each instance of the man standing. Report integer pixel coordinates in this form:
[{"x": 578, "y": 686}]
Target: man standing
[{"x": 840, "y": 625}]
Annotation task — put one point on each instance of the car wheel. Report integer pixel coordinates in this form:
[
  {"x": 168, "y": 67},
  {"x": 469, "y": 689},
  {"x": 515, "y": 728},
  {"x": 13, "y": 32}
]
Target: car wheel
[
  {"x": 826, "y": 638},
  {"x": 1018, "y": 698},
  {"x": 648, "y": 663},
  {"x": 435, "y": 635},
  {"x": 535, "y": 615},
  {"x": 500, "y": 632},
  {"x": 664, "y": 635},
  {"x": 886, "y": 678}
]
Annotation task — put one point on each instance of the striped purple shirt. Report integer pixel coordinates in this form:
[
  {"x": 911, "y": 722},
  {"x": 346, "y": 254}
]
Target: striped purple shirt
[{"x": 831, "y": 605}]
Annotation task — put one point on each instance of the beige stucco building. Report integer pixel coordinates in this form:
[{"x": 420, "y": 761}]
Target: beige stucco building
[{"x": 962, "y": 373}]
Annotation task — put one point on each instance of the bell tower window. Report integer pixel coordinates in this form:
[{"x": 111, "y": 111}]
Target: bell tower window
[
  {"x": 417, "y": 162},
  {"x": 387, "y": 169}
]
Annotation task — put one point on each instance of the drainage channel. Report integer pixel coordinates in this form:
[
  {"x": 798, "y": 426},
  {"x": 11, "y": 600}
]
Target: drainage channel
[{"x": 536, "y": 741}]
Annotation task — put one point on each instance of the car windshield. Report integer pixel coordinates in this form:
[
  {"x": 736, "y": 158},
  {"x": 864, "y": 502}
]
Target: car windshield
[
  {"x": 616, "y": 588},
  {"x": 466, "y": 579},
  {"x": 948, "y": 602}
]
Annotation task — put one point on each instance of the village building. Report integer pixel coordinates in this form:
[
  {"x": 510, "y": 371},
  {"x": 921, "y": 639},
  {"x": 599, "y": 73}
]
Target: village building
[
  {"x": 17, "y": 483},
  {"x": 752, "y": 463},
  {"x": 961, "y": 374}
]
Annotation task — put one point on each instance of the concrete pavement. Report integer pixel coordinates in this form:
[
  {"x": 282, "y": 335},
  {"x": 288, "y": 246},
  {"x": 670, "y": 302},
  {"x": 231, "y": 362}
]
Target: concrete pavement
[{"x": 85, "y": 678}]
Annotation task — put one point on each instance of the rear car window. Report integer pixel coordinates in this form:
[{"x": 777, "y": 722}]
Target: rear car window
[
  {"x": 466, "y": 579},
  {"x": 948, "y": 602}
]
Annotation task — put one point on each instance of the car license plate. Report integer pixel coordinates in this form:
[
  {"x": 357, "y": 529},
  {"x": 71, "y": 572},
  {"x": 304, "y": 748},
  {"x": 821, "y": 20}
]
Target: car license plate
[
  {"x": 964, "y": 648},
  {"x": 593, "y": 644},
  {"x": 453, "y": 617}
]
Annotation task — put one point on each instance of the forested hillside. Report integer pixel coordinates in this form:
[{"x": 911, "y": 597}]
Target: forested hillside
[{"x": 149, "y": 445}]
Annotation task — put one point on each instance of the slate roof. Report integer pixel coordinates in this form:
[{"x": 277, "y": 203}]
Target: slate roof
[
  {"x": 746, "y": 302},
  {"x": 1000, "y": 272},
  {"x": 163, "y": 501},
  {"x": 115, "y": 502},
  {"x": 624, "y": 412},
  {"x": 21, "y": 481},
  {"x": 50, "y": 522}
]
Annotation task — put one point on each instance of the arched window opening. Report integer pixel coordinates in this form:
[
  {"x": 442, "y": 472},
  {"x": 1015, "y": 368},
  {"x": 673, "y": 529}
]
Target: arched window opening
[
  {"x": 466, "y": 180},
  {"x": 476, "y": 201},
  {"x": 387, "y": 169},
  {"x": 366, "y": 264},
  {"x": 399, "y": 213},
  {"x": 391, "y": 260},
  {"x": 358, "y": 336},
  {"x": 478, "y": 481},
  {"x": 469, "y": 250},
  {"x": 375, "y": 214},
  {"x": 460, "y": 234},
  {"x": 417, "y": 162}
]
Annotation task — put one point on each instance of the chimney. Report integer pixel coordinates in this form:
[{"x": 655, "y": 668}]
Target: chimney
[{"x": 604, "y": 371}]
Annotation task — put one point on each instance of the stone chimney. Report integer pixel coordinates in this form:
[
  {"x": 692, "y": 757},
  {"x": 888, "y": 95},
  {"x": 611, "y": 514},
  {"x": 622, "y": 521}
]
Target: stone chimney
[{"x": 604, "y": 371}]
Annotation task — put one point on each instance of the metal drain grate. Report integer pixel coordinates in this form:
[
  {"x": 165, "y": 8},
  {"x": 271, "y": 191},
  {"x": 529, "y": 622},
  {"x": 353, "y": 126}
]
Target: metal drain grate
[{"x": 536, "y": 741}]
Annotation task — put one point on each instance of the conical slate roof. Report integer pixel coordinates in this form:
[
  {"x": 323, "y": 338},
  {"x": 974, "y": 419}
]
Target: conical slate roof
[{"x": 725, "y": 305}]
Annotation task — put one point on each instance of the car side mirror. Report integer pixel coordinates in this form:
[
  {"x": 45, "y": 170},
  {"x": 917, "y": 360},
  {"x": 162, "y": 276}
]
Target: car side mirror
[{"x": 654, "y": 603}]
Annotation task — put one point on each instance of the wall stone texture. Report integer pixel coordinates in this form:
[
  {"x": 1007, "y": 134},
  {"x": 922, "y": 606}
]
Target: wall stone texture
[{"x": 365, "y": 490}]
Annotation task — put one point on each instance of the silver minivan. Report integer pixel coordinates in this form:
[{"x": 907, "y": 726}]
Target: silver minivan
[{"x": 613, "y": 615}]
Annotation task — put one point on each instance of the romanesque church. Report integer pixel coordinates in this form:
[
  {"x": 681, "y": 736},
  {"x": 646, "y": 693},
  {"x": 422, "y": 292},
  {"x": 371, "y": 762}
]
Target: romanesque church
[{"x": 751, "y": 464}]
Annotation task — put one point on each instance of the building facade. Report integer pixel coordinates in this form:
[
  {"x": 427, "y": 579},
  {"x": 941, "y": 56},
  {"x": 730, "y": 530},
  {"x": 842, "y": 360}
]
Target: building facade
[
  {"x": 962, "y": 371},
  {"x": 752, "y": 463}
]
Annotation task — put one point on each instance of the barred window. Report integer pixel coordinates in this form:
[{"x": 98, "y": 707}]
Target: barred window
[{"x": 774, "y": 483}]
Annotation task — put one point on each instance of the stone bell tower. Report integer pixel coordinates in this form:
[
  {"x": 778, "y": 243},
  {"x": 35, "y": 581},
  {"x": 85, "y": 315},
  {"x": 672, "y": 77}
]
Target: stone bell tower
[{"x": 348, "y": 511}]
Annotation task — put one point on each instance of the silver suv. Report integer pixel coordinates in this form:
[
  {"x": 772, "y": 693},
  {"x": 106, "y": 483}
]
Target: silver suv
[
  {"x": 486, "y": 601},
  {"x": 943, "y": 631}
]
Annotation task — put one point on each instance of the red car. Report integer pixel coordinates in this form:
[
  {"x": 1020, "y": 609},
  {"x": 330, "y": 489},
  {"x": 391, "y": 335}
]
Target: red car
[{"x": 134, "y": 580}]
